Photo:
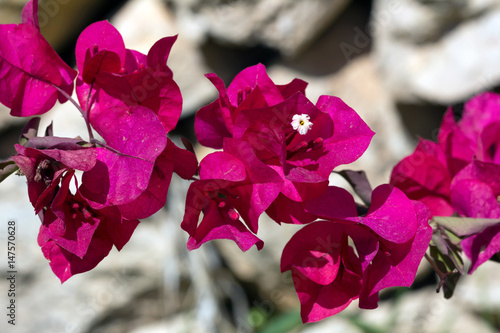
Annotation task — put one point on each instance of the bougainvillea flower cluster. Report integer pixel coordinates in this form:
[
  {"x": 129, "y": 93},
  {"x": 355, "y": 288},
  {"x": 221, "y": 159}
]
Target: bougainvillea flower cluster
[
  {"x": 460, "y": 173},
  {"x": 130, "y": 100},
  {"x": 344, "y": 256},
  {"x": 278, "y": 151}
]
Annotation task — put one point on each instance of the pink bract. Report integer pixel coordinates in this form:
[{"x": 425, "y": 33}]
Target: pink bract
[
  {"x": 30, "y": 84},
  {"x": 44, "y": 168},
  {"x": 138, "y": 138},
  {"x": 220, "y": 219},
  {"x": 110, "y": 74},
  {"x": 264, "y": 126},
  {"x": 304, "y": 161},
  {"x": 172, "y": 159},
  {"x": 474, "y": 193},
  {"x": 475, "y": 135},
  {"x": 229, "y": 188},
  {"x": 74, "y": 237},
  {"x": 130, "y": 100},
  {"x": 424, "y": 176},
  {"x": 475, "y": 189},
  {"x": 251, "y": 88},
  {"x": 328, "y": 274}
]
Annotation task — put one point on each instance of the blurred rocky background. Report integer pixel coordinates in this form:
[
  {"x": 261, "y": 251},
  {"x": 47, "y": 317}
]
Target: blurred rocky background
[{"x": 398, "y": 63}]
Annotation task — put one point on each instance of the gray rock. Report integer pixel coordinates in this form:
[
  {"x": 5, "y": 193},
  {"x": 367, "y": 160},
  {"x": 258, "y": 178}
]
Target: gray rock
[
  {"x": 286, "y": 25},
  {"x": 424, "y": 311},
  {"x": 481, "y": 290},
  {"x": 437, "y": 51}
]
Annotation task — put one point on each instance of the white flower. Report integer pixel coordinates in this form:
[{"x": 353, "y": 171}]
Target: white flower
[{"x": 301, "y": 123}]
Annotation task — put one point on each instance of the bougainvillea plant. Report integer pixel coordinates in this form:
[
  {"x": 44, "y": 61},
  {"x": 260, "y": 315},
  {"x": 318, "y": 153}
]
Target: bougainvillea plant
[
  {"x": 126, "y": 174},
  {"x": 276, "y": 152},
  {"x": 458, "y": 178}
]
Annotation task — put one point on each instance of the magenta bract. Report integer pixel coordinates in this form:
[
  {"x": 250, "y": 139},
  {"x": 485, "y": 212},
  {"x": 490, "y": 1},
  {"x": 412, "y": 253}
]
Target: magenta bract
[
  {"x": 29, "y": 84},
  {"x": 130, "y": 100},
  {"x": 474, "y": 193},
  {"x": 44, "y": 168},
  {"x": 110, "y": 74},
  {"x": 303, "y": 160},
  {"x": 475, "y": 135},
  {"x": 220, "y": 219},
  {"x": 74, "y": 237},
  {"x": 138, "y": 138},
  {"x": 250, "y": 89},
  {"x": 172, "y": 159},
  {"x": 424, "y": 176},
  {"x": 133, "y": 102},
  {"x": 229, "y": 188},
  {"x": 279, "y": 150},
  {"x": 475, "y": 190},
  {"x": 459, "y": 174},
  {"x": 389, "y": 242}
]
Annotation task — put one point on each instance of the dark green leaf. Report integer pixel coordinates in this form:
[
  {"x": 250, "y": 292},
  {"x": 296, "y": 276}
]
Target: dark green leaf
[
  {"x": 450, "y": 283},
  {"x": 447, "y": 274},
  {"x": 464, "y": 226},
  {"x": 447, "y": 245},
  {"x": 282, "y": 323},
  {"x": 7, "y": 168}
]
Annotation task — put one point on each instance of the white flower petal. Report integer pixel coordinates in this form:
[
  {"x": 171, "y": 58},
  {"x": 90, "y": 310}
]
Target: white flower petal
[{"x": 301, "y": 123}]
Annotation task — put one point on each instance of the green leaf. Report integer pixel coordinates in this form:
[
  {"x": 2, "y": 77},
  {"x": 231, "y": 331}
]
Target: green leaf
[
  {"x": 446, "y": 258},
  {"x": 464, "y": 226},
  {"x": 7, "y": 168},
  {"x": 448, "y": 275},
  {"x": 282, "y": 323},
  {"x": 450, "y": 283}
]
